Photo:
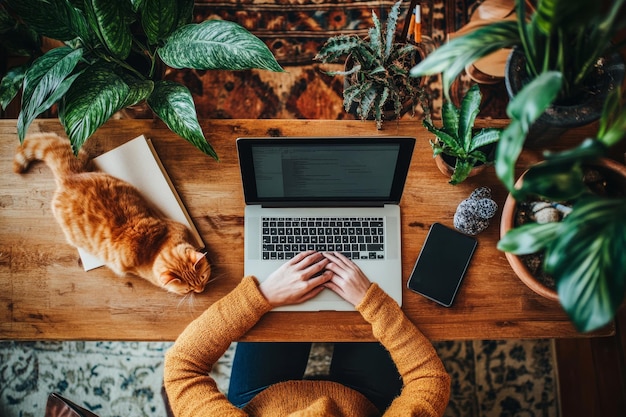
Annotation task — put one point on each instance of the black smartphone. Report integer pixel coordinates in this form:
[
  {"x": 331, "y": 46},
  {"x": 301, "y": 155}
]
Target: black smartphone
[{"x": 441, "y": 264}]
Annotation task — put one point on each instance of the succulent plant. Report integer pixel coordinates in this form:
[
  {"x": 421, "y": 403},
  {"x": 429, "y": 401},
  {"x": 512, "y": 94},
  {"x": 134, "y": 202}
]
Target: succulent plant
[{"x": 378, "y": 76}]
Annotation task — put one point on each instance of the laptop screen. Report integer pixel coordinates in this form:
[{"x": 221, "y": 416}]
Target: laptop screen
[{"x": 314, "y": 171}]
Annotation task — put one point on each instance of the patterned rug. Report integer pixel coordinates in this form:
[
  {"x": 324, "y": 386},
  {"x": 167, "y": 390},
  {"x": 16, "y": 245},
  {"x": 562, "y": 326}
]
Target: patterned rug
[{"x": 123, "y": 379}]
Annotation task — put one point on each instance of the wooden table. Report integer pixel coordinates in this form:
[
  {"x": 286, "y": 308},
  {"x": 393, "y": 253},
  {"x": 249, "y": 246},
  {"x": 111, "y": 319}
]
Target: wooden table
[{"x": 45, "y": 294}]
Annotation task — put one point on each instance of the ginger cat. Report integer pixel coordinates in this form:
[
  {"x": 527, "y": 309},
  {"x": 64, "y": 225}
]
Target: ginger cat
[{"x": 108, "y": 218}]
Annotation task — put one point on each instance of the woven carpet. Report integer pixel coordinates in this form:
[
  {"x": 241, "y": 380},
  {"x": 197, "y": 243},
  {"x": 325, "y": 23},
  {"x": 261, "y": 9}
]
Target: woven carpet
[{"x": 123, "y": 379}]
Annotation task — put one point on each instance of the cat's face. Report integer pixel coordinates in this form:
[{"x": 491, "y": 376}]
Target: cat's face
[{"x": 182, "y": 270}]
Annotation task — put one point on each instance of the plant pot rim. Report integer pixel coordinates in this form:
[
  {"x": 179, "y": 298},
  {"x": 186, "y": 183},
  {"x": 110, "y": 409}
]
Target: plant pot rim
[{"x": 447, "y": 169}]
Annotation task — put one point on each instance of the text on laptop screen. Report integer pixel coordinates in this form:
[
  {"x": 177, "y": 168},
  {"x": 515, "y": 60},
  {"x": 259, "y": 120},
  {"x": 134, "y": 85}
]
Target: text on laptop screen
[
  {"x": 314, "y": 171},
  {"x": 318, "y": 172}
]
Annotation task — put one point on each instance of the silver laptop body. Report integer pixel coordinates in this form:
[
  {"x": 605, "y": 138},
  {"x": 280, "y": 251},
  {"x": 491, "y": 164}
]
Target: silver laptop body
[{"x": 314, "y": 187}]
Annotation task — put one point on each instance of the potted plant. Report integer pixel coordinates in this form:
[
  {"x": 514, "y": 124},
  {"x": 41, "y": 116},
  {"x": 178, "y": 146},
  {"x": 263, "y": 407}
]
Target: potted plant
[
  {"x": 377, "y": 70},
  {"x": 566, "y": 46},
  {"x": 111, "y": 57},
  {"x": 459, "y": 150},
  {"x": 583, "y": 251}
]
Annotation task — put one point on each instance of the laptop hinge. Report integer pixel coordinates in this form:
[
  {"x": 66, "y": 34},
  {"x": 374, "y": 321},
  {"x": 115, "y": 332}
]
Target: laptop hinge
[{"x": 325, "y": 204}]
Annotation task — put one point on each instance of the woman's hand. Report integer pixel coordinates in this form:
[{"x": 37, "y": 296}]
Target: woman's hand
[
  {"x": 348, "y": 281},
  {"x": 296, "y": 281}
]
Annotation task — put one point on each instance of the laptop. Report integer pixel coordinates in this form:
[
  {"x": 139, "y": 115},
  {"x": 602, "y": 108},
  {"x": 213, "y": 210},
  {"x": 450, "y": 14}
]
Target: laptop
[{"x": 327, "y": 194}]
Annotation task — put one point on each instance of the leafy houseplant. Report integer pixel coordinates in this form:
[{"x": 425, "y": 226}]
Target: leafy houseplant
[
  {"x": 456, "y": 137},
  {"x": 111, "y": 57},
  {"x": 377, "y": 70},
  {"x": 563, "y": 42},
  {"x": 585, "y": 251}
]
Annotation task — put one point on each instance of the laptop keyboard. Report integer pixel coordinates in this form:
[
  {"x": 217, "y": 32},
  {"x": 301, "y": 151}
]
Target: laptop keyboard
[{"x": 355, "y": 237}]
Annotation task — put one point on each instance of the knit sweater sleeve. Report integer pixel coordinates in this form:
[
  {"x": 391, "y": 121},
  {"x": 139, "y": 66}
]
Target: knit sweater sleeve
[
  {"x": 426, "y": 384},
  {"x": 190, "y": 389}
]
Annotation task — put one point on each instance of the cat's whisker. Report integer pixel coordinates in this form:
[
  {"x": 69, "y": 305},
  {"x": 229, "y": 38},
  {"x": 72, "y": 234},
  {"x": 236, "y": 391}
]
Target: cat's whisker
[{"x": 182, "y": 300}]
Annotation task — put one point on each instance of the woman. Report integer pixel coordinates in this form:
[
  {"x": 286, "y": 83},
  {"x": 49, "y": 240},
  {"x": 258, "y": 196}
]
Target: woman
[{"x": 191, "y": 391}]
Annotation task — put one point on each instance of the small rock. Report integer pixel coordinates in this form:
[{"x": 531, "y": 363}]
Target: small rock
[{"x": 472, "y": 214}]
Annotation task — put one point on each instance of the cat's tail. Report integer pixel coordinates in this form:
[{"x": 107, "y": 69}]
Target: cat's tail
[{"x": 51, "y": 148}]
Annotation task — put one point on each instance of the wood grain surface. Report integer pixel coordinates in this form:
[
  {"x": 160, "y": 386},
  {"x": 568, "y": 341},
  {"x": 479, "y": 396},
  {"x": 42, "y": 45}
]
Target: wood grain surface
[{"x": 46, "y": 295}]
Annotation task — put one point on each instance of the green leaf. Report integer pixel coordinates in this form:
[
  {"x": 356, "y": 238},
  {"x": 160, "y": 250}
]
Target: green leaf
[
  {"x": 41, "y": 81},
  {"x": 185, "y": 12},
  {"x": 17, "y": 38},
  {"x": 337, "y": 47},
  {"x": 11, "y": 84},
  {"x": 613, "y": 119},
  {"x": 485, "y": 137},
  {"x": 470, "y": 106},
  {"x": 529, "y": 238},
  {"x": 159, "y": 18},
  {"x": 554, "y": 182},
  {"x": 216, "y": 44},
  {"x": 51, "y": 18},
  {"x": 138, "y": 89},
  {"x": 588, "y": 261},
  {"x": 93, "y": 98},
  {"x": 173, "y": 103},
  {"x": 447, "y": 141},
  {"x": 375, "y": 36},
  {"x": 462, "y": 169},
  {"x": 450, "y": 119},
  {"x": 560, "y": 176},
  {"x": 390, "y": 28},
  {"x": 110, "y": 22},
  {"x": 525, "y": 108},
  {"x": 451, "y": 58}
]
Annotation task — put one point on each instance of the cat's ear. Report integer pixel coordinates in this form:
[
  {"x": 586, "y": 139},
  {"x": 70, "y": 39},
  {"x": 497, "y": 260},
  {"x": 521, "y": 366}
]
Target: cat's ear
[
  {"x": 197, "y": 257},
  {"x": 167, "y": 277}
]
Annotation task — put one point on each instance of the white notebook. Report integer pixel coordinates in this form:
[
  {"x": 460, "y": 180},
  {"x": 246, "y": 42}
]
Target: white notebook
[{"x": 137, "y": 163}]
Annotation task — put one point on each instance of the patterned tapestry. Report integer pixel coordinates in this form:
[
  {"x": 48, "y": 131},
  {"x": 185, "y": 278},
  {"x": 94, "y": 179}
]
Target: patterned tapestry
[{"x": 295, "y": 30}]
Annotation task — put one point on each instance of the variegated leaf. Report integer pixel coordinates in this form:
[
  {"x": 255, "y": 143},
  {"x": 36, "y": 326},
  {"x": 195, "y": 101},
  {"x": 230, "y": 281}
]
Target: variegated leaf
[
  {"x": 93, "y": 98},
  {"x": 216, "y": 44},
  {"x": 42, "y": 80},
  {"x": 111, "y": 24},
  {"x": 173, "y": 103}
]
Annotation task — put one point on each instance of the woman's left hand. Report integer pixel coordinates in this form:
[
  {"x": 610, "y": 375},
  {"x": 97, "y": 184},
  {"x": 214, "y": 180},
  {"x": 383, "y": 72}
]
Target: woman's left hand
[{"x": 348, "y": 281}]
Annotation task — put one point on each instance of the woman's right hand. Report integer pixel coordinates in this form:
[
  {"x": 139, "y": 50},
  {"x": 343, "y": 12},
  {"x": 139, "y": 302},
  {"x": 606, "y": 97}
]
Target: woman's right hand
[{"x": 297, "y": 280}]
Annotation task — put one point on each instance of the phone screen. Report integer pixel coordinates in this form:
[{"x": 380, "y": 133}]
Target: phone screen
[{"x": 441, "y": 264}]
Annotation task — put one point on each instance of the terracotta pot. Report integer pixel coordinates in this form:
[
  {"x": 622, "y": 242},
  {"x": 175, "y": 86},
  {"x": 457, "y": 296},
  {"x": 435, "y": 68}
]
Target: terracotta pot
[
  {"x": 518, "y": 266},
  {"x": 612, "y": 170},
  {"x": 447, "y": 169}
]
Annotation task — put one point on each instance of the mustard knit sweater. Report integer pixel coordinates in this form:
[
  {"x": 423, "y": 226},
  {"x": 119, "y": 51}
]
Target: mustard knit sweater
[{"x": 193, "y": 393}]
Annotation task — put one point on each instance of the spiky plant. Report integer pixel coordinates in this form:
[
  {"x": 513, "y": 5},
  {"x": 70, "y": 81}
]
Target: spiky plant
[
  {"x": 379, "y": 75},
  {"x": 109, "y": 60},
  {"x": 456, "y": 136}
]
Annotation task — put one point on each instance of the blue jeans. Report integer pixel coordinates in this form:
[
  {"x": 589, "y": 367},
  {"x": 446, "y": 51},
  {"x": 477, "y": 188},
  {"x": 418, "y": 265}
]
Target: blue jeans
[{"x": 364, "y": 367}]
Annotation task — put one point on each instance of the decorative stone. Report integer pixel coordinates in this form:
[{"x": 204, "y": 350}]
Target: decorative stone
[
  {"x": 543, "y": 212},
  {"x": 472, "y": 214}
]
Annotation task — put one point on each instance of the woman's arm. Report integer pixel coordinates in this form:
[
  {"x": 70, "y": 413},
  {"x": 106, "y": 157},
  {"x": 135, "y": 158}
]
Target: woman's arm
[
  {"x": 190, "y": 389},
  {"x": 426, "y": 387}
]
